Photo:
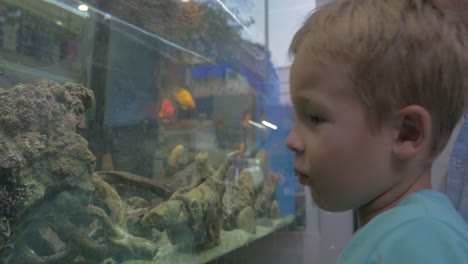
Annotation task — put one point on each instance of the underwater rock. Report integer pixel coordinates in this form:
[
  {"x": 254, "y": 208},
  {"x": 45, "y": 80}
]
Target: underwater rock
[
  {"x": 275, "y": 210},
  {"x": 237, "y": 196},
  {"x": 265, "y": 222},
  {"x": 138, "y": 202},
  {"x": 5, "y": 230},
  {"x": 265, "y": 197},
  {"x": 136, "y": 208},
  {"x": 246, "y": 220},
  {"x": 155, "y": 235},
  {"x": 257, "y": 176},
  {"x": 262, "y": 157},
  {"x": 165, "y": 215},
  {"x": 100, "y": 233},
  {"x": 133, "y": 219},
  {"x": 193, "y": 217},
  {"x": 109, "y": 261},
  {"x": 251, "y": 188},
  {"x": 193, "y": 175},
  {"x": 53, "y": 209},
  {"x": 115, "y": 227},
  {"x": 41, "y": 151}
]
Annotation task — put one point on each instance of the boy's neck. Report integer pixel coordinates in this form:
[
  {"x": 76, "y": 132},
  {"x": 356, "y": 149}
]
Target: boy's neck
[{"x": 393, "y": 197}]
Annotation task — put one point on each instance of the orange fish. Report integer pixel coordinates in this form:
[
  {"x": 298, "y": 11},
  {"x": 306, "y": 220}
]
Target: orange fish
[
  {"x": 241, "y": 149},
  {"x": 185, "y": 99},
  {"x": 247, "y": 118},
  {"x": 166, "y": 110}
]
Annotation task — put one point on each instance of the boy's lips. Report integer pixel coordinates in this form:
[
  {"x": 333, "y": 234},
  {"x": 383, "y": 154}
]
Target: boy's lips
[{"x": 303, "y": 179}]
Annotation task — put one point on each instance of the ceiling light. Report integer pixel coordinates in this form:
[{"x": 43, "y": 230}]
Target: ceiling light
[
  {"x": 83, "y": 8},
  {"x": 255, "y": 124},
  {"x": 270, "y": 125}
]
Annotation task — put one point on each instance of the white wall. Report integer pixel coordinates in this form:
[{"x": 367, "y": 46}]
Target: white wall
[{"x": 326, "y": 234}]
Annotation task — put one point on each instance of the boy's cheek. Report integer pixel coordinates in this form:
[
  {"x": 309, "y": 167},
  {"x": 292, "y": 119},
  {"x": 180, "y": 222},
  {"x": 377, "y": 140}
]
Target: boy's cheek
[{"x": 337, "y": 192}]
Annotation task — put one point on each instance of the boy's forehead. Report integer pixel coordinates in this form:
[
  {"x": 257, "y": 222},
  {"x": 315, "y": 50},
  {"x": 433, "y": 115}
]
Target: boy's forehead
[
  {"x": 306, "y": 67},
  {"x": 314, "y": 76},
  {"x": 303, "y": 71},
  {"x": 309, "y": 68}
]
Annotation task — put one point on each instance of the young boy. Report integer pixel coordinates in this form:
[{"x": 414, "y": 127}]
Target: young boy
[{"x": 377, "y": 88}]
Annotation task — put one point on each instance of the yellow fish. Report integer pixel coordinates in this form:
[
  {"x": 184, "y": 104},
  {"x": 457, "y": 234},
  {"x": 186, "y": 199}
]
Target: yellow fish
[
  {"x": 175, "y": 155},
  {"x": 185, "y": 99}
]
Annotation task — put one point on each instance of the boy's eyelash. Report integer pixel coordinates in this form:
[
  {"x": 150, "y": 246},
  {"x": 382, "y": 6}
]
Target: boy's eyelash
[{"x": 314, "y": 119}]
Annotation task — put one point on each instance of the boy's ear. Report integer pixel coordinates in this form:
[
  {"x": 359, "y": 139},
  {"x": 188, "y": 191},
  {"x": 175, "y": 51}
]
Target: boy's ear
[{"x": 412, "y": 131}]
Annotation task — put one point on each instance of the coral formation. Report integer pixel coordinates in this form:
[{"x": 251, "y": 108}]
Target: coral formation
[
  {"x": 239, "y": 194},
  {"x": 266, "y": 196},
  {"x": 41, "y": 152},
  {"x": 47, "y": 183},
  {"x": 243, "y": 193}
]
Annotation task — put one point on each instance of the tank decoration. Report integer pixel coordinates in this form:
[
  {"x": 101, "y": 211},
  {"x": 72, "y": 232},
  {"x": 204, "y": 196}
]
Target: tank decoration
[
  {"x": 246, "y": 220},
  {"x": 243, "y": 193},
  {"x": 189, "y": 177},
  {"x": 41, "y": 155},
  {"x": 275, "y": 210},
  {"x": 192, "y": 216},
  {"x": 148, "y": 184},
  {"x": 54, "y": 208},
  {"x": 266, "y": 196},
  {"x": 239, "y": 195}
]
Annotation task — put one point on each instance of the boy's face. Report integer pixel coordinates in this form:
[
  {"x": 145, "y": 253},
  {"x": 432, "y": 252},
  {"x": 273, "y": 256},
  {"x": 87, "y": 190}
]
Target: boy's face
[{"x": 344, "y": 162}]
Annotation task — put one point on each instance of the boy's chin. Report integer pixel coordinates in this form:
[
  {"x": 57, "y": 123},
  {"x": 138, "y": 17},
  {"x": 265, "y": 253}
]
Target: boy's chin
[{"x": 330, "y": 204}]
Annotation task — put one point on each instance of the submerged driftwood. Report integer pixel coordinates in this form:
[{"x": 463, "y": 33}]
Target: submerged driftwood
[
  {"x": 190, "y": 177},
  {"x": 193, "y": 216}
]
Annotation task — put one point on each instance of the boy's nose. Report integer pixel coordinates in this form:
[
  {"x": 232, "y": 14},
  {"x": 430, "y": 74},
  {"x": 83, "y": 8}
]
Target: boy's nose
[{"x": 293, "y": 142}]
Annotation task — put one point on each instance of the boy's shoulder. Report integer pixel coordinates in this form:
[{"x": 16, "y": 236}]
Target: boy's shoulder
[
  {"x": 423, "y": 228},
  {"x": 424, "y": 205}
]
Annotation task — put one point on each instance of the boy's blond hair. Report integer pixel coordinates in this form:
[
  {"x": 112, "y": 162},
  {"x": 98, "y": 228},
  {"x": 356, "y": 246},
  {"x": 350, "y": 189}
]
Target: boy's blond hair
[{"x": 399, "y": 52}]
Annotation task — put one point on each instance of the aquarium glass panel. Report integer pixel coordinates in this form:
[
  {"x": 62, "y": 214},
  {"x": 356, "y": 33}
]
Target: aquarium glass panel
[{"x": 140, "y": 131}]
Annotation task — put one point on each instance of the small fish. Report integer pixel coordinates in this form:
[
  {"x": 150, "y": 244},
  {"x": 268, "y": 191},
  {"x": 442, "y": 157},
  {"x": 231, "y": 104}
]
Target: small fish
[
  {"x": 185, "y": 99},
  {"x": 175, "y": 155},
  {"x": 241, "y": 149},
  {"x": 107, "y": 163},
  {"x": 166, "y": 110},
  {"x": 247, "y": 118}
]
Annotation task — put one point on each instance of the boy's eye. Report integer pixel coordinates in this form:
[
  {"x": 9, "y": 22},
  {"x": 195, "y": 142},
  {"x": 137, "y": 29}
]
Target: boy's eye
[{"x": 314, "y": 119}]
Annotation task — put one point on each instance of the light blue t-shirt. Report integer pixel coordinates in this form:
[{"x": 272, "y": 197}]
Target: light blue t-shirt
[{"x": 423, "y": 228}]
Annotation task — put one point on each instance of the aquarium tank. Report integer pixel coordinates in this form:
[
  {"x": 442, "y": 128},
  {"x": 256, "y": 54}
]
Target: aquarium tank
[{"x": 139, "y": 131}]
